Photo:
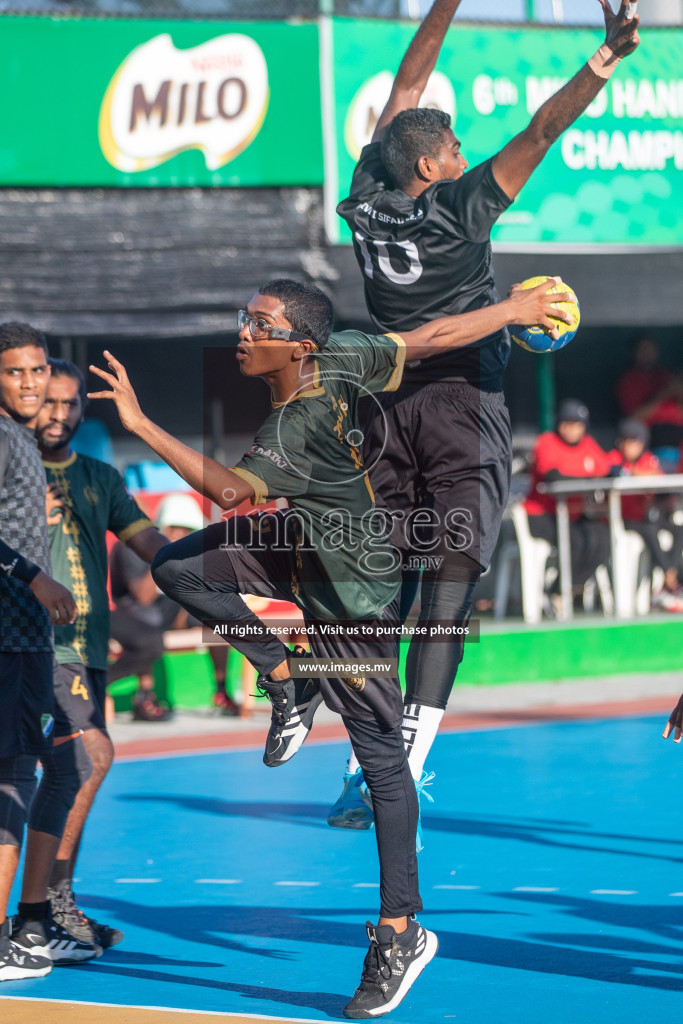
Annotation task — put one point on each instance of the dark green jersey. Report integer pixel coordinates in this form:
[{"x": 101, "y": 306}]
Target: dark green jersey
[
  {"x": 309, "y": 451},
  {"x": 97, "y": 501}
]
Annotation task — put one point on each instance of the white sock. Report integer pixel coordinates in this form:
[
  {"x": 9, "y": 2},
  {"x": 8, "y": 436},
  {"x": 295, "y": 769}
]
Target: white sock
[
  {"x": 420, "y": 726},
  {"x": 353, "y": 765}
]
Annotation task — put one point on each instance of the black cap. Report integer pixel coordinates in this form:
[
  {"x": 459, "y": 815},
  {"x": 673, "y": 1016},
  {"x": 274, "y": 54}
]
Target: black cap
[
  {"x": 632, "y": 430},
  {"x": 571, "y": 410}
]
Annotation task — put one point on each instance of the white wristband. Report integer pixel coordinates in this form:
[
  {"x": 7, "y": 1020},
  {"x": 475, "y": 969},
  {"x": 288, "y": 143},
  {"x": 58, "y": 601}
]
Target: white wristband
[
  {"x": 603, "y": 62},
  {"x": 631, "y": 9}
]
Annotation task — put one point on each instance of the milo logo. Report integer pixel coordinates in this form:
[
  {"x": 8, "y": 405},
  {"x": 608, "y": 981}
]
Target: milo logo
[
  {"x": 162, "y": 100},
  {"x": 369, "y": 102}
]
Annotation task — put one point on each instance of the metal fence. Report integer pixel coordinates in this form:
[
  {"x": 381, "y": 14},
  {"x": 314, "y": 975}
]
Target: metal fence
[
  {"x": 569, "y": 12},
  {"x": 502, "y": 10}
]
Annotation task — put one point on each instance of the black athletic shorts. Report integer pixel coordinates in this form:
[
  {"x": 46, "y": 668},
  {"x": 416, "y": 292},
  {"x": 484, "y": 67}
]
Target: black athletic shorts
[
  {"x": 26, "y": 702},
  {"x": 444, "y": 449},
  {"x": 79, "y": 698}
]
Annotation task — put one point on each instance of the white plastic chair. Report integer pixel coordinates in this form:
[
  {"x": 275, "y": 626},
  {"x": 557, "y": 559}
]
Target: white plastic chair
[
  {"x": 532, "y": 553},
  {"x": 632, "y": 585}
]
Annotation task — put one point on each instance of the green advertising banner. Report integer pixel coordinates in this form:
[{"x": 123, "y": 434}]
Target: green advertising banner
[
  {"x": 156, "y": 103},
  {"x": 614, "y": 178}
]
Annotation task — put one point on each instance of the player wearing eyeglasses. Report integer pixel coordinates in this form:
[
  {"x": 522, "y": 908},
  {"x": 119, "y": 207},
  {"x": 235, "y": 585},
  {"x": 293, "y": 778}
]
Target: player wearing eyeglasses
[{"x": 328, "y": 554}]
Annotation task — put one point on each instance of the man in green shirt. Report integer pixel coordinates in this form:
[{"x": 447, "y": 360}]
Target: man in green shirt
[
  {"x": 86, "y": 497},
  {"x": 329, "y": 554}
]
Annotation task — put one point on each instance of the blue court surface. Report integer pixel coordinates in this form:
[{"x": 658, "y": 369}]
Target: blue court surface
[{"x": 551, "y": 874}]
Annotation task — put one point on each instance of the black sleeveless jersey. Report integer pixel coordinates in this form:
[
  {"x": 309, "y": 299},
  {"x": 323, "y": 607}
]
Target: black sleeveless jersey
[{"x": 429, "y": 257}]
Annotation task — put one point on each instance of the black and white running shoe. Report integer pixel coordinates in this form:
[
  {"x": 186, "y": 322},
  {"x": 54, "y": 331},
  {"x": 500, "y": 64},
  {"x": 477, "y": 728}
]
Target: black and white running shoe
[
  {"x": 295, "y": 702},
  {"x": 48, "y": 939},
  {"x": 392, "y": 964},
  {"x": 15, "y": 963},
  {"x": 65, "y": 913}
]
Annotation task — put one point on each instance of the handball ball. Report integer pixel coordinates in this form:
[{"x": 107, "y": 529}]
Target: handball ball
[{"x": 536, "y": 339}]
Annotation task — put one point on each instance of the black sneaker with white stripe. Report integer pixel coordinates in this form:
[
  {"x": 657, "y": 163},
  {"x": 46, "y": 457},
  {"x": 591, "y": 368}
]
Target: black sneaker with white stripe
[
  {"x": 392, "y": 964},
  {"x": 15, "y": 963},
  {"x": 48, "y": 939},
  {"x": 295, "y": 702}
]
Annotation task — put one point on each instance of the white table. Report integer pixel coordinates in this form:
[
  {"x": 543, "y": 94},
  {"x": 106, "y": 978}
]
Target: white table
[{"x": 613, "y": 488}]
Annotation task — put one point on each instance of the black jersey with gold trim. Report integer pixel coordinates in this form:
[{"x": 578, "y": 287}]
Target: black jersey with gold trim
[{"x": 309, "y": 451}]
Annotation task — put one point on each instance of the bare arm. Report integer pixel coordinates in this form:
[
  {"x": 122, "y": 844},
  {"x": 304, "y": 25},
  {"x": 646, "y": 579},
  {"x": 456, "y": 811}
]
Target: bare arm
[
  {"x": 530, "y": 306},
  {"x": 418, "y": 63},
  {"x": 146, "y": 543},
  {"x": 513, "y": 166},
  {"x": 203, "y": 474},
  {"x": 144, "y": 589}
]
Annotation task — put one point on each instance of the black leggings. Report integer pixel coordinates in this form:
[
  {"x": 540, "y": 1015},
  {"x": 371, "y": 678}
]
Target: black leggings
[
  {"x": 17, "y": 786},
  {"x": 446, "y": 596},
  {"x": 205, "y": 576},
  {"x": 382, "y": 756}
]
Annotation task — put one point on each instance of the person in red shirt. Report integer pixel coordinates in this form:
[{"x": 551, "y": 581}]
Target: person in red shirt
[
  {"x": 569, "y": 452},
  {"x": 645, "y": 381},
  {"x": 633, "y": 459},
  {"x": 654, "y": 396}
]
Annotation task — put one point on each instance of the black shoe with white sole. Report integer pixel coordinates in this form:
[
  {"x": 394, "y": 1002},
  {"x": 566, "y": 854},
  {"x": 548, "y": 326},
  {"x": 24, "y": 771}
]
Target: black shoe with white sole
[
  {"x": 48, "y": 939},
  {"x": 15, "y": 963},
  {"x": 295, "y": 702},
  {"x": 392, "y": 964}
]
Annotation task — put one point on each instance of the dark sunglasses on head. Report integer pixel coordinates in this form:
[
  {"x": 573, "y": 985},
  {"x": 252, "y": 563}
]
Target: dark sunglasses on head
[{"x": 261, "y": 329}]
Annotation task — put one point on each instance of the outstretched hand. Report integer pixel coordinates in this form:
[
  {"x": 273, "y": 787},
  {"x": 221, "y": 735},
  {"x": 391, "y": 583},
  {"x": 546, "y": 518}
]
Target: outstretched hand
[
  {"x": 675, "y": 723},
  {"x": 622, "y": 31},
  {"x": 121, "y": 392},
  {"x": 536, "y": 307}
]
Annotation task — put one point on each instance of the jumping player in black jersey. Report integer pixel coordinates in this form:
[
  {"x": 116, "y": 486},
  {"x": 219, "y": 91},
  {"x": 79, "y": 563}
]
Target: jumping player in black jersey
[
  {"x": 421, "y": 224},
  {"x": 307, "y": 451}
]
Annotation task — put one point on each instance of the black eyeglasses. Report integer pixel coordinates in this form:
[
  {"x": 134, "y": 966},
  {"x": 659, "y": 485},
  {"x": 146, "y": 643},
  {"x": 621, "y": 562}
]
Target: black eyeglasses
[{"x": 261, "y": 329}]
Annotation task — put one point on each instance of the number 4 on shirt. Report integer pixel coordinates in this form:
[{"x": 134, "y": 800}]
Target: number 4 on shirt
[{"x": 78, "y": 689}]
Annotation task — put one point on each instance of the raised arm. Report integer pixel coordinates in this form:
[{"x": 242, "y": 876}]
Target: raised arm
[
  {"x": 513, "y": 166},
  {"x": 203, "y": 474},
  {"x": 527, "y": 306},
  {"x": 418, "y": 63}
]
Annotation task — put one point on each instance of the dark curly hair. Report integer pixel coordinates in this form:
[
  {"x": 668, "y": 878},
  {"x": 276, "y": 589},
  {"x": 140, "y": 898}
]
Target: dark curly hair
[
  {"x": 63, "y": 368},
  {"x": 17, "y": 335},
  {"x": 410, "y": 135},
  {"x": 307, "y": 308}
]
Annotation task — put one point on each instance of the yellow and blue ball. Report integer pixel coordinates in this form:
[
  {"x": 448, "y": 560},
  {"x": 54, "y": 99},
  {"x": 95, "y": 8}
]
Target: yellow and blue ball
[{"x": 537, "y": 339}]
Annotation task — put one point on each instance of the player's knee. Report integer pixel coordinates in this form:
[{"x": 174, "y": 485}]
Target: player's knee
[
  {"x": 65, "y": 770},
  {"x": 101, "y": 752},
  {"x": 449, "y": 600},
  {"x": 164, "y": 570},
  {"x": 17, "y": 786}
]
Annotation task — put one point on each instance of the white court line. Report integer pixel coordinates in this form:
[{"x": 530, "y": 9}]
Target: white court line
[
  {"x": 167, "y": 1009},
  {"x": 137, "y": 881},
  {"x": 366, "y": 885},
  {"x": 456, "y": 887},
  {"x": 305, "y": 884},
  {"x": 676, "y": 894},
  {"x": 218, "y": 881},
  {"x": 534, "y": 888},
  {"x": 614, "y": 892}
]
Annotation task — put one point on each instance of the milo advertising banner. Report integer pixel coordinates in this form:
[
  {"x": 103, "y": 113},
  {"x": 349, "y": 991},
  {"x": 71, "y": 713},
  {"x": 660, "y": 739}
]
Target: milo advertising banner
[
  {"x": 180, "y": 103},
  {"x": 159, "y": 103},
  {"x": 614, "y": 178}
]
